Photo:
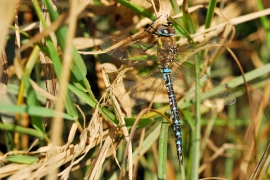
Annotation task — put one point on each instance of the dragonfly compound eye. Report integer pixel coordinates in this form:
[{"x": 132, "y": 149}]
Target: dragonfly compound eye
[{"x": 166, "y": 31}]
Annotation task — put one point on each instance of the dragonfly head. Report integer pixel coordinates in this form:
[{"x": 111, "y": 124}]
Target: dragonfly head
[{"x": 165, "y": 29}]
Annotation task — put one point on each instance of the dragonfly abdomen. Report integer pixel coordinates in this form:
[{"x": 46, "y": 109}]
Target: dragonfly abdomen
[{"x": 166, "y": 73}]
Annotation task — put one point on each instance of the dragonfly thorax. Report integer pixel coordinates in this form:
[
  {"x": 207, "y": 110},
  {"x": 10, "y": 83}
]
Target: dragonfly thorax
[{"x": 167, "y": 50}]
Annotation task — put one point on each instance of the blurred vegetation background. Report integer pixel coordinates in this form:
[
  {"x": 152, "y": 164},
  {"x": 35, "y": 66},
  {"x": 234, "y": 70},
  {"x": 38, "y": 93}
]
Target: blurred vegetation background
[{"x": 59, "y": 115}]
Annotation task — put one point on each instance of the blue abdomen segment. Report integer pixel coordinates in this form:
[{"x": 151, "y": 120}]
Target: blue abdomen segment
[{"x": 166, "y": 74}]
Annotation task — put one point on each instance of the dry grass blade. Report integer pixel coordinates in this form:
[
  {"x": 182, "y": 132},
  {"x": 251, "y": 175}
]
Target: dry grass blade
[
  {"x": 220, "y": 151},
  {"x": 46, "y": 32},
  {"x": 119, "y": 114},
  {"x": 26, "y": 28},
  {"x": 8, "y": 10},
  {"x": 76, "y": 8},
  {"x": 3, "y": 74},
  {"x": 7, "y": 14},
  {"x": 62, "y": 156},
  {"x": 94, "y": 173},
  {"x": 261, "y": 167}
]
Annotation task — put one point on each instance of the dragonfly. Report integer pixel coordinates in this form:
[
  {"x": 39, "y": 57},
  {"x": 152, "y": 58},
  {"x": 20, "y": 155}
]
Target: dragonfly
[{"x": 170, "y": 75}]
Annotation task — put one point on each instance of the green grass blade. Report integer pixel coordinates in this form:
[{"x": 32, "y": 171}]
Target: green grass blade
[
  {"x": 23, "y": 130},
  {"x": 187, "y": 20},
  {"x": 175, "y": 7},
  {"x": 162, "y": 149},
  {"x": 210, "y": 13},
  {"x": 32, "y": 110},
  {"x": 265, "y": 22},
  {"x": 137, "y": 9},
  {"x": 79, "y": 69},
  {"x": 256, "y": 73},
  {"x": 31, "y": 98},
  {"x": 142, "y": 123},
  {"x": 93, "y": 103},
  {"x": 22, "y": 159},
  {"x": 197, "y": 130},
  {"x": 148, "y": 141},
  {"x": 52, "y": 53}
]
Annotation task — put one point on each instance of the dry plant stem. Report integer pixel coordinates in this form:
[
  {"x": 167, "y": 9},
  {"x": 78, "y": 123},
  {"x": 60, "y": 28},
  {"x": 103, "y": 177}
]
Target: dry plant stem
[
  {"x": 131, "y": 136},
  {"x": 154, "y": 6},
  {"x": 208, "y": 130},
  {"x": 57, "y": 123},
  {"x": 97, "y": 165},
  {"x": 19, "y": 100},
  {"x": 7, "y": 14},
  {"x": 265, "y": 156},
  {"x": 17, "y": 33},
  {"x": 3, "y": 73},
  {"x": 93, "y": 129},
  {"x": 46, "y": 165},
  {"x": 120, "y": 116},
  {"x": 83, "y": 141},
  {"x": 227, "y": 37},
  {"x": 185, "y": 6},
  {"x": 164, "y": 10},
  {"x": 250, "y": 133},
  {"x": 234, "y": 21},
  {"x": 25, "y": 28},
  {"x": 47, "y": 94},
  {"x": 46, "y": 32},
  {"x": 50, "y": 77},
  {"x": 219, "y": 152},
  {"x": 136, "y": 162},
  {"x": 124, "y": 41},
  {"x": 263, "y": 104},
  {"x": 126, "y": 134},
  {"x": 92, "y": 140}
]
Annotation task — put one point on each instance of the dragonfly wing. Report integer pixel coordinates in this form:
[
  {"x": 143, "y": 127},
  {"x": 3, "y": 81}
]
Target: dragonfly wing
[
  {"x": 147, "y": 89},
  {"x": 204, "y": 50},
  {"x": 130, "y": 51},
  {"x": 211, "y": 92}
]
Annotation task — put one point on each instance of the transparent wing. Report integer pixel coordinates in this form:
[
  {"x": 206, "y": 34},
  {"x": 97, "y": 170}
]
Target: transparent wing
[
  {"x": 148, "y": 89},
  {"x": 208, "y": 49},
  {"x": 131, "y": 51},
  {"x": 211, "y": 92}
]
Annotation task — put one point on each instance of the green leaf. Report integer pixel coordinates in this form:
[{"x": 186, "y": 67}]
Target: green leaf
[
  {"x": 137, "y": 9},
  {"x": 78, "y": 69},
  {"x": 162, "y": 149},
  {"x": 31, "y": 99},
  {"x": 93, "y": 103},
  {"x": 23, "y": 130},
  {"x": 210, "y": 13},
  {"x": 51, "y": 51},
  {"x": 22, "y": 159},
  {"x": 37, "y": 111},
  {"x": 188, "y": 21},
  {"x": 142, "y": 123}
]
